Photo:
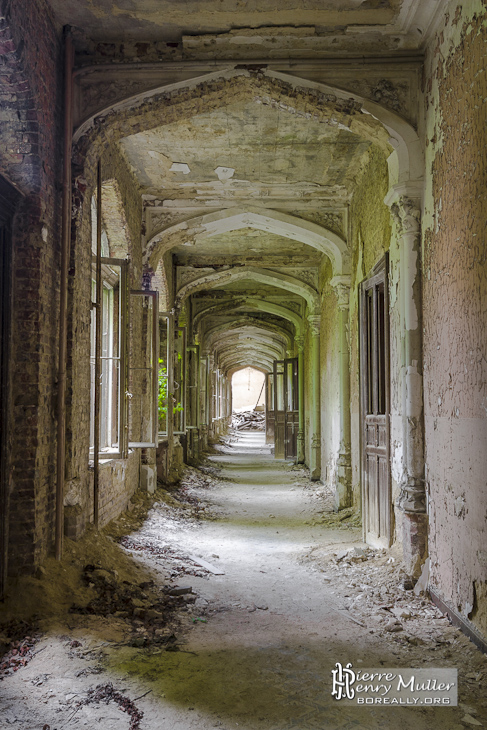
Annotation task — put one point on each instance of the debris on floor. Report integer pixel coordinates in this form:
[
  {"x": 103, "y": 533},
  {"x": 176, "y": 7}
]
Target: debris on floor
[
  {"x": 192, "y": 593},
  {"x": 248, "y": 420},
  {"x": 107, "y": 693},
  {"x": 376, "y": 592},
  {"x": 19, "y": 652}
]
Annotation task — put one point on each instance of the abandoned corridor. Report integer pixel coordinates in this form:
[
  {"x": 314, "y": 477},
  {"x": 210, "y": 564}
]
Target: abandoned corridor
[{"x": 189, "y": 189}]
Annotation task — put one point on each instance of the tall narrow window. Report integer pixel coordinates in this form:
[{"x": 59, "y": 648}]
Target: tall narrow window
[{"x": 111, "y": 370}]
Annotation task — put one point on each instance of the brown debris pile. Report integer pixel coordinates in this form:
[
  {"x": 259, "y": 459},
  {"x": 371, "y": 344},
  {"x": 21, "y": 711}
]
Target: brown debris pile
[
  {"x": 19, "y": 652},
  {"x": 107, "y": 693},
  {"x": 151, "y": 613}
]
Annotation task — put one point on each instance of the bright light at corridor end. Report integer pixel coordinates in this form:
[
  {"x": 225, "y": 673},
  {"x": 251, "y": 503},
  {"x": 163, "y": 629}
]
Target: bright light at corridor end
[{"x": 247, "y": 389}]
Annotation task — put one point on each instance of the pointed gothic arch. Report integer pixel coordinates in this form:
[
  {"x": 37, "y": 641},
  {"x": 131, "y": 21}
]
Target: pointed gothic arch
[{"x": 272, "y": 221}]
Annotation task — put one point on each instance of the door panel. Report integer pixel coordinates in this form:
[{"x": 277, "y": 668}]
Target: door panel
[
  {"x": 291, "y": 408},
  {"x": 269, "y": 408},
  {"x": 374, "y": 383},
  {"x": 279, "y": 410}
]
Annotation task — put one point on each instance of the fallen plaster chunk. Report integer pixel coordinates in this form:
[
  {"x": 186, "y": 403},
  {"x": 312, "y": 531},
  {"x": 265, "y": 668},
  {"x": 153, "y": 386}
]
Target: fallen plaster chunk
[
  {"x": 204, "y": 564},
  {"x": 180, "y": 167},
  {"x": 224, "y": 173},
  {"x": 423, "y": 579},
  {"x": 180, "y": 591},
  {"x": 471, "y": 721}
]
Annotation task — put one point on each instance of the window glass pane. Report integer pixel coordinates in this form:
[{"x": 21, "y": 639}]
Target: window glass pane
[
  {"x": 381, "y": 355},
  {"x": 110, "y": 360},
  {"x": 142, "y": 405},
  {"x": 279, "y": 385},
  {"x": 179, "y": 379},
  {"x": 162, "y": 397}
]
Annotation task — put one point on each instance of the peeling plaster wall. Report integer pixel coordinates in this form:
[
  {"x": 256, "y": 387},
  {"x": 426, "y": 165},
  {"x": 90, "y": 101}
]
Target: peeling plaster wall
[
  {"x": 370, "y": 239},
  {"x": 396, "y": 356},
  {"x": 455, "y": 308}
]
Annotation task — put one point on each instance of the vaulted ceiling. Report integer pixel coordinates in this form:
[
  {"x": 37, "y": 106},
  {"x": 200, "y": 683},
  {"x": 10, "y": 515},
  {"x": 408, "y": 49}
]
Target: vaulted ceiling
[{"x": 248, "y": 154}]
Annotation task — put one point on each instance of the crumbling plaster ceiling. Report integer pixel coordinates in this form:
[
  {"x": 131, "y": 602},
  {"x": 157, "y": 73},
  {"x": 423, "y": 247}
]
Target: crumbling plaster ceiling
[
  {"x": 259, "y": 143},
  {"x": 182, "y": 21},
  {"x": 244, "y": 150},
  {"x": 247, "y": 145},
  {"x": 245, "y": 246}
]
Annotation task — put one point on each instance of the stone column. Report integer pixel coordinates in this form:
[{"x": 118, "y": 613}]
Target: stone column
[
  {"x": 211, "y": 394},
  {"x": 300, "y": 345},
  {"x": 412, "y": 498},
  {"x": 314, "y": 321},
  {"x": 343, "y": 483}
]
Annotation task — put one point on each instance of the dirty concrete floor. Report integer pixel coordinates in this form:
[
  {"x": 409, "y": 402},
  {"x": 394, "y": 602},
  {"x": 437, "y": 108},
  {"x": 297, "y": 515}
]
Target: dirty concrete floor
[{"x": 257, "y": 648}]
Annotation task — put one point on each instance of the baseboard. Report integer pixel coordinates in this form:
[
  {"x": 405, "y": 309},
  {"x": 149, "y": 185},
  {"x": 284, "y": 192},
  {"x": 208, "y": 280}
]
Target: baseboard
[{"x": 468, "y": 628}]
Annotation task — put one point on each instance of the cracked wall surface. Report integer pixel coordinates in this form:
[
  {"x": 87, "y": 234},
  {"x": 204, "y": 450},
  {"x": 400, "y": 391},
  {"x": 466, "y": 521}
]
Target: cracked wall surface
[{"x": 455, "y": 308}]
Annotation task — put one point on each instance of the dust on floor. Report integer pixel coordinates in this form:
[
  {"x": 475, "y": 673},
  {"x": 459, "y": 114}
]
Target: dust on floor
[{"x": 224, "y": 604}]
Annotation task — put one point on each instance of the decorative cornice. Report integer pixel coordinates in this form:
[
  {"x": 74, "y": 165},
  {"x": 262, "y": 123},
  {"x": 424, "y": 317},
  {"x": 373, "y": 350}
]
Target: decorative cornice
[
  {"x": 413, "y": 189},
  {"x": 341, "y": 285},
  {"x": 314, "y": 321},
  {"x": 407, "y": 216}
]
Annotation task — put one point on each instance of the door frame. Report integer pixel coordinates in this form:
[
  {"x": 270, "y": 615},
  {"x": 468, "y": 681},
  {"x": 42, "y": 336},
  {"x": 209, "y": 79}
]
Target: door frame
[
  {"x": 291, "y": 416},
  {"x": 9, "y": 198},
  {"x": 379, "y": 275}
]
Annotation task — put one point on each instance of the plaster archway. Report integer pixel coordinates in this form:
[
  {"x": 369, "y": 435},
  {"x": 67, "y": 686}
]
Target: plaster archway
[
  {"x": 263, "y": 276},
  {"x": 295, "y": 95},
  {"x": 248, "y": 304},
  {"x": 271, "y": 221}
]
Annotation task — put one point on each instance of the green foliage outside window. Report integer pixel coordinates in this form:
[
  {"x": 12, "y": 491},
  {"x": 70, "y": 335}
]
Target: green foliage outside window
[{"x": 162, "y": 396}]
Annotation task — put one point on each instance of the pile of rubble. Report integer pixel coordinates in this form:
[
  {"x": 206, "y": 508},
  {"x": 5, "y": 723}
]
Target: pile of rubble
[
  {"x": 377, "y": 594},
  {"x": 151, "y": 614},
  {"x": 248, "y": 421}
]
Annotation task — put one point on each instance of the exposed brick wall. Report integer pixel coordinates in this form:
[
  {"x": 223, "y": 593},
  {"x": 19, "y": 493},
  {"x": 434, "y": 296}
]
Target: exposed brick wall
[
  {"x": 455, "y": 309},
  {"x": 118, "y": 481},
  {"x": 30, "y": 156}
]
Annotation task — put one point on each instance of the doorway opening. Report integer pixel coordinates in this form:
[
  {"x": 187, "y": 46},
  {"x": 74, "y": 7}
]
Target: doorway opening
[{"x": 248, "y": 399}]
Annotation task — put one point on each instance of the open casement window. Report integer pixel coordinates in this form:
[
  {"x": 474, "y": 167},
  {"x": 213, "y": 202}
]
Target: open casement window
[
  {"x": 111, "y": 365},
  {"x": 192, "y": 410},
  {"x": 179, "y": 395},
  {"x": 204, "y": 391},
  {"x": 165, "y": 348},
  {"x": 291, "y": 407},
  {"x": 143, "y": 383},
  {"x": 217, "y": 394}
]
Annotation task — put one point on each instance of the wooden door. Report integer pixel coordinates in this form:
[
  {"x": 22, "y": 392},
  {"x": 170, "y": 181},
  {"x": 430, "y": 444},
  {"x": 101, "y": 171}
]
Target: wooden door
[
  {"x": 279, "y": 410},
  {"x": 291, "y": 408},
  {"x": 269, "y": 408},
  {"x": 375, "y": 410}
]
